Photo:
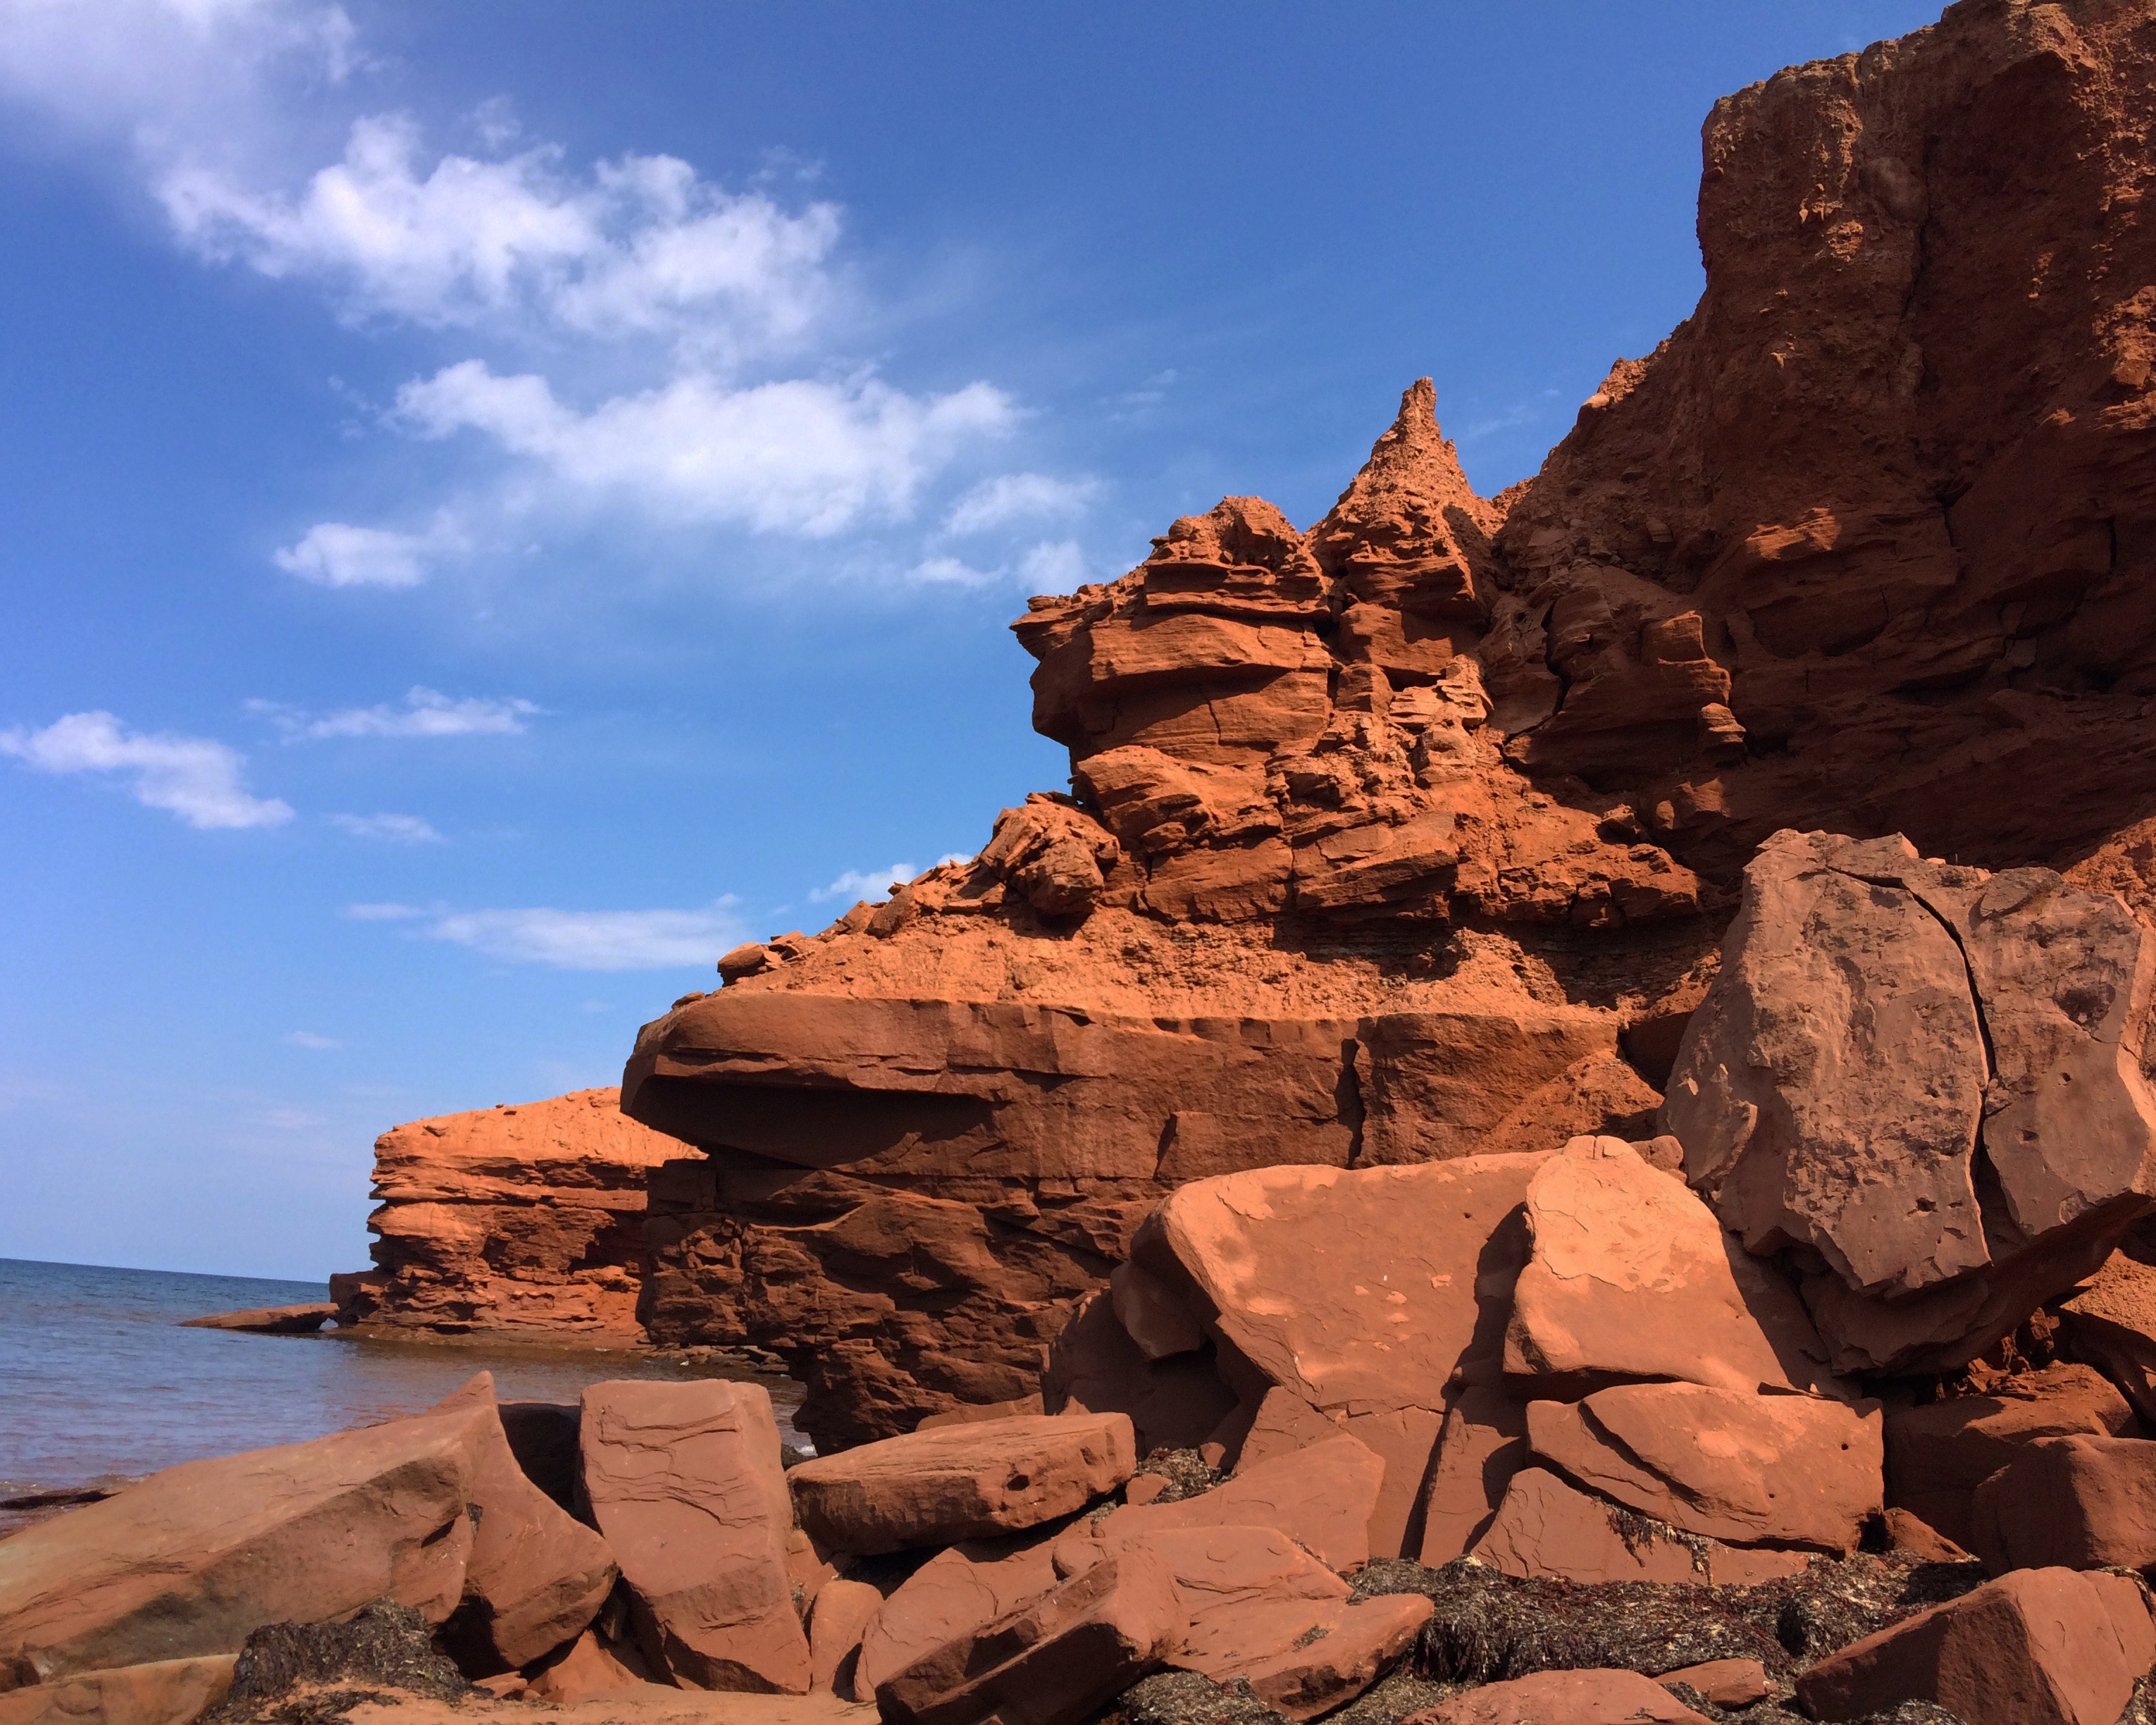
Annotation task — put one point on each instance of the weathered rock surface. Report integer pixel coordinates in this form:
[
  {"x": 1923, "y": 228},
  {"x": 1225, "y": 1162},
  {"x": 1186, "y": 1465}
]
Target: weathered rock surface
[
  {"x": 842, "y": 1612},
  {"x": 167, "y": 1692},
  {"x": 961, "y": 1482},
  {"x": 525, "y": 1218},
  {"x": 186, "y": 1563},
  {"x": 1605, "y": 1697},
  {"x": 957, "y": 1591},
  {"x": 2037, "y": 1647},
  {"x": 685, "y": 1481},
  {"x": 2111, "y": 1325},
  {"x": 1546, "y": 1529},
  {"x": 536, "y": 1576},
  {"x": 2071, "y": 1502},
  {"x": 1938, "y": 1455},
  {"x": 303, "y": 1320},
  {"x": 1748, "y": 1469},
  {"x": 1320, "y": 1497},
  {"x": 1631, "y": 1277},
  {"x": 1726, "y": 1683},
  {"x": 1885, "y": 1036},
  {"x": 1050, "y": 1662}
]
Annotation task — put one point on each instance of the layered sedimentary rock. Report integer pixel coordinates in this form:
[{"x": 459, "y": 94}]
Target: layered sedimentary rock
[
  {"x": 1413, "y": 836},
  {"x": 520, "y": 1219}
]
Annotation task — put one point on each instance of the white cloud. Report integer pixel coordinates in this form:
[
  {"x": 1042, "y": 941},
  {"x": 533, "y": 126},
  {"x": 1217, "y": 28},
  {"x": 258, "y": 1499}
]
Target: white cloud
[
  {"x": 640, "y": 245},
  {"x": 598, "y": 940},
  {"x": 426, "y": 712},
  {"x": 308, "y": 1038},
  {"x": 382, "y": 913},
  {"x": 337, "y": 554},
  {"x": 195, "y": 778},
  {"x": 864, "y": 883},
  {"x": 1057, "y": 567},
  {"x": 798, "y": 456},
  {"x": 1016, "y": 497},
  {"x": 951, "y": 571},
  {"x": 395, "y": 828}
]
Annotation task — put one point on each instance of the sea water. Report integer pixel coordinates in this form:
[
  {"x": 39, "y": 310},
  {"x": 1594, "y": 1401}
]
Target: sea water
[{"x": 98, "y": 1377}]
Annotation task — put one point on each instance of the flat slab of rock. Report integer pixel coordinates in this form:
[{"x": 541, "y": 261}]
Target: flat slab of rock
[
  {"x": 959, "y": 1482},
  {"x": 2037, "y": 1647},
  {"x": 1938, "y": 1455},
  {"x": 1606, "y": 1698},
  {"x": 841, "y": 1615},
  {"x": 166, "y": 1692},
  {"x": 2074, "y": 1502},
  {"x": 303, "y": 1320},
  {"x": 1051, "y": 1662},
  {"x": 1632, "y": 1277},
  {"x": 1746, "y": 1469},
  {"x": 955, "y": 1592},
  {"x": 685, "y": 1482},
  {"x": 2111, "y": 1325},
  {"x": 188, "y": 1562},
  {"x": 1323, "y": 1497},
  {"x": 1726, "y": 1683},
  {"x": 1481, "y": 1444},
  {"x": 1546, "y": 1529}
]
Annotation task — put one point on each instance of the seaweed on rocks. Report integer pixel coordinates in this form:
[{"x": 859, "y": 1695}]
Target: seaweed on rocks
[
  {"x": 1188, "y": 1473},
  {"x": 315, "y": 1673},
  {"x": 1487, "y": 1626},
  {"x": 1187, "y": 1698}
]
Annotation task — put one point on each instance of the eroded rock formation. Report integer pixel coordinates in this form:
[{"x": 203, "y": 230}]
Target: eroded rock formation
[
  {"x": 1415, "y": 836},
  {"x": 520, "y": 1220}
]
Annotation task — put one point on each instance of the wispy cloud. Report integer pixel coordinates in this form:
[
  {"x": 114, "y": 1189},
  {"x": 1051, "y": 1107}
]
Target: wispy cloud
[
  {"x": 392, "y": 829},
  {"x": 196, "y": 777},
  {"x": 598, "y": 940},
  {"x": 876, "y": 883},
  {"x": 1012, "y": 497},
  {"x": 308, "y": 1038},
  {"x": 338, "y": 554},
  {"x": 426, "y": 712}
]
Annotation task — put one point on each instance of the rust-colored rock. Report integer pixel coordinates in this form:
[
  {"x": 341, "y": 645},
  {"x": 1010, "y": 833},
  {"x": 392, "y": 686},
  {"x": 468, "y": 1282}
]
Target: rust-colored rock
[
  {"x": 302, "y": 1320},
  {"x": 166, "y": 1692},
  {"x": 2111, "y": 1325},
  {"x": 842, "y": 1612},
  {"x": 2072, "y": 1502},
  {"x": 1631, "y": 1277},
  {"x": 186, "y": 1563},
  {"x": 526, "y": 1219},
  {"x": 957, "y": 1591},
  {"x": 961, "y": 1482},
  {"x": 536, "y": 1576},
  {"x": 1052, "y": 1661},
  {"x": 1726, "y": 1683},
  {"x": 1590, "y": 1698},
  {"x": 1938, "y": 1455},
  {"x": 2037, "y": 1647},
  {"x": 1322, "y": 1497},
  {"x": 1545, "y": 1527},
  {"x": 1879, "y": 1024},
  {"x": 685, "y": 1482},
  {"x": 1481, "y": 1444},
  {"x": 1749, "y": 1470}
]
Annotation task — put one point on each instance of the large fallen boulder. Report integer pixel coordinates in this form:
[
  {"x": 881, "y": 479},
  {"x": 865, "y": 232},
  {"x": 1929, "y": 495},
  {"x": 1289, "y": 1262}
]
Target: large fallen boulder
[
  {"x": 1547, "y": 1529},
  {"x": 685, "y": 1481},
  {"x": 957, "y": 1483},
  {"x": 536, "y": 1576},
  {"x": 2071, "y": 1502},
  {"x": 1592, "y": 1697},
  {"x": 961, "y": 1589},
  {"x": 188, "y": 1562},
  {"x": 167, "y": 1692},
  {"x": 1883, "y": 1027},
  {"x": 1322, "y": 1497},
  {"x": 1939, "y": 1453},
  {"x": 2036, "y": 1647},
  {"x": 2111, "y": 1324}
]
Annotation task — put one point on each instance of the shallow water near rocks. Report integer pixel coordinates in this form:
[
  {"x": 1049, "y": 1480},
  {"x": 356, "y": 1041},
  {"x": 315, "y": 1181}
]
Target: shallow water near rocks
[{"x": 97, "y": 1376}]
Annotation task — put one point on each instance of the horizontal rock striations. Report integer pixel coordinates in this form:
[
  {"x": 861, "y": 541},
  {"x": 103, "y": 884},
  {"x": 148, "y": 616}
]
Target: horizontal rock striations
[{"x": 521, "y": 1219}]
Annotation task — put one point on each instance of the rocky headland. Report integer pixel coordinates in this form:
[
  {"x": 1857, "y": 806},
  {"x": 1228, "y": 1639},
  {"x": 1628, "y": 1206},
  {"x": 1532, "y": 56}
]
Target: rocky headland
[{"x": 1557, "y": 1128}]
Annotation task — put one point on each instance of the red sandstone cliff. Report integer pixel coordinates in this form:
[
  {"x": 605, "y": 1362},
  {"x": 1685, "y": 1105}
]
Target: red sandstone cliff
[
  {"x": 1414, "y": 835},
  {"x": 516, "y": 1221}
]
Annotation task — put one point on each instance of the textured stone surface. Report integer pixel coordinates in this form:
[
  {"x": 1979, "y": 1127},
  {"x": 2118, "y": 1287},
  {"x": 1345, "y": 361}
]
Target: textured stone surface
[
  {"x": 536, "y": 1576},
  {"x": 2037, "y": 1647},
  {"x": 1631, "y": 1277},
  {"x": 1726, "y": 1683},
  {"x": 525, "y": 1218},
  {"x": 961, "y": 1482},
  {"x": 188, "y": 1562},
  {"x": 1880, "y": 1023},
  {"x": 1938, "y": 1455},
  {"x": 1481, "y": 1444},
  {"x": 1603, "y": 1697},
  {"x": 1322, "y": 1497},
  {"x": 1546, "y": 1529},
  {"x": 961, "y": 1589},
  {"x": 685, "y": 1482},
  {"x": 842, "y": 1612},
  {"x": 1050, "y": 1662},
  {"x": 2111, "y": 1325},
  {"x": 166, "y": 1692},
  {"x": 2076, "y": 1502},
  {"x": 271, "y": 1320},
  {"x": 1750, "y": 1470}
]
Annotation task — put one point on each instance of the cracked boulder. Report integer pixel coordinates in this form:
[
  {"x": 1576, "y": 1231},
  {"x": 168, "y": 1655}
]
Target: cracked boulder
[{"x": 1922, "y": 1083}]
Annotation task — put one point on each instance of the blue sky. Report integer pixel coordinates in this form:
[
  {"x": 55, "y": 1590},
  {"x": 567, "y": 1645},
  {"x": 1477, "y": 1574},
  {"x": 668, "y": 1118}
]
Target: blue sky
[{"x": 504, "y": 500}]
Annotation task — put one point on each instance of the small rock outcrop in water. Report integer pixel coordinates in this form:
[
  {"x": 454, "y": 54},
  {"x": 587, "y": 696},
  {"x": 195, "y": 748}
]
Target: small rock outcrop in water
[{"x": 521, "y": 1220}]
